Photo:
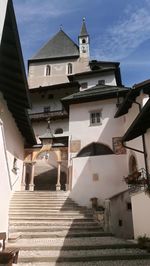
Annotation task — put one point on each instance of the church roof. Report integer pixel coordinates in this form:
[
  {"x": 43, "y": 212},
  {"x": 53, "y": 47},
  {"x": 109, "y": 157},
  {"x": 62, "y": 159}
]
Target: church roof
[
  {"x": 83, "y": 32},
  {"x": 96, "y": 93},
  {"x": 60, "y": 46}
]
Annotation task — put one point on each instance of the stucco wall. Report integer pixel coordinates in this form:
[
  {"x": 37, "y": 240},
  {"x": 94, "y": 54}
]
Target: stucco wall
[
  {"x": 121, "y": 215},
  {"x": 141, "y": 214},
  {"x": 109, "y": 169},
  {"x": 11, "y": 146},
  {"x": 3, "y": 6},
  {"x": 58, "y": 71},
  {"x": 79, "y": 123},
  {"x": 40, "y": 128},
  {"x": 137, "y": 142},
  {"x": 93, "y": 80}
]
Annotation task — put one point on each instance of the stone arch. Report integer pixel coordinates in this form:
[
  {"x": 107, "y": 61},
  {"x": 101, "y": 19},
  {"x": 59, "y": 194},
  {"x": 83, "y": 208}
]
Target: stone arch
[
  {"x": 47, "y": 149},
  {"x": 95, "y": 149},
  {"x": 133, "y": 166}
]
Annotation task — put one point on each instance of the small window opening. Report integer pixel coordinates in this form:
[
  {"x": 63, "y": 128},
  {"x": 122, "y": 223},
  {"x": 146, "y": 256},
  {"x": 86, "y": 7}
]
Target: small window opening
[
  {"x": 129, "y": 206},
  {"x": 69, "y": 68},
  {"x": 84, "y": 85},
  {"x": 120, "y": 222},
  {"x": 101, "y": 82},
  {"x": 95, "y": 118},
  {"x": 46, "y": 109},
  {"x": 48, "y": 70},
  {"x": 83, "y": 41},
  {"x": 15, "y": 168}
]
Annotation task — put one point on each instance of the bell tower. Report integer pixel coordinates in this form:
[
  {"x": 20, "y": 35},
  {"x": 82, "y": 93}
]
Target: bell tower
[{"x": 84, "y": 41}]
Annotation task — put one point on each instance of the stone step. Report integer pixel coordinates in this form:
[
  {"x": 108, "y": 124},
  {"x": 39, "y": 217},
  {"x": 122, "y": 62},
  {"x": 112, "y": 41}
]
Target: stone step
[
  {"x": 42, "y": 198},
  {"x": 45, "y": 207},
  {"x": 50, "y": 218},
  {"x": 49, "y": 212},
  {"x": 65, "y": 233},
  {"x": 52, "y": 228},
  {"x": 75, "y": 247},
  {"x": 141, "y": 262},
  {"x": 60, "y": 201},
  {"x": 43, "y": 216},
  {"x": 59, "y": 223},
  {"x": 41, "y": 205},
  {"x": 83, "y": 242},
  {"x": 41, "y": 192},
  {"x": 82, "y": 255}
]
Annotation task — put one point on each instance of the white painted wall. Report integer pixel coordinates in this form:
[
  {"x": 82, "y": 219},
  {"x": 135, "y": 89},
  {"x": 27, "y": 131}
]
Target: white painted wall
[
  {"x": 119, "y": 211},
  {"x": 79, "y": 122},
  {"x": 110, "y": 170},
  {"x": 93, "y": 80},
  {"x": 141, "y": 214},
  {"x": 11, "y": 145},
  {"x": 3, "y": 6},
  {"x": 137, "y": 142}
]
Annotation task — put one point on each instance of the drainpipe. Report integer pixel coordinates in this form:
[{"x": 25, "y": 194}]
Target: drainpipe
[{"x": 144, "y": 148}]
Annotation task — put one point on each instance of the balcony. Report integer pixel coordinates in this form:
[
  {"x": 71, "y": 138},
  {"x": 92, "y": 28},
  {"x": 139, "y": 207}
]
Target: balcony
[{"x": 53, "y": 115}]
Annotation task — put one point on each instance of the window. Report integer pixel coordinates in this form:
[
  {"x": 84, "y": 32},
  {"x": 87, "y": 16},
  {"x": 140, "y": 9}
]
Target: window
[
  {"x": 48, "y": 70},
  {"x": 15, "y": 168},
  {"x": 84, "y": 85},
  {"x": 101, "y": 82},
  {"x": 83, "y": 49},
  {"x": 46, "y": 109},
  {"x": 95, "y": 118},
  {"x": 69, "y": 68},
  {"x": 83, "y": 41},
  {"x": 59, "y": 131},
  {"x": 129, "y": 206}
]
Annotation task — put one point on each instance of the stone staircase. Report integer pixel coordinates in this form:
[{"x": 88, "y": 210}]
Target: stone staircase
[{"x": 55, "y": 230}]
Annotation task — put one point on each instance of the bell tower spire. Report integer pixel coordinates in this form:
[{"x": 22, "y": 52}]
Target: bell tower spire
[{"x": 84, "y": 41}]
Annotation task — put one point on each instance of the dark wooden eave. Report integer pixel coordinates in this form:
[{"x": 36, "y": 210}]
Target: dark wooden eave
[
  {"x": 13, "y": 82},
  {"x": 131, "y": 97},
  {"x": 76, "y": 76},
  {"x": 96, "y": 93},
  {"x": 140, "y": 124},
  {"x": 71, "y": 85}
]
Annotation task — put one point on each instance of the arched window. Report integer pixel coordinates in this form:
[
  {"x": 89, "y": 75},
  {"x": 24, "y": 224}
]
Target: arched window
[
  {"x": 95, "y": 149},
  {"x": 59, "y": 131},
  {"x": 48, "y": 70},
  {"x": 132, "y": 164},
  {"x": 83, "y": 41},
  {"x": 69, "y": 68}
]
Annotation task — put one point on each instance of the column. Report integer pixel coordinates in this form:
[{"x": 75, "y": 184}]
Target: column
[
  {"x": 31, "y": 185},
  {"x": 58, "y": 186},
  {"x": 107, "y": 222},
  {"x": 67, "y": 181},
  {"x": 23, "y": 182}
]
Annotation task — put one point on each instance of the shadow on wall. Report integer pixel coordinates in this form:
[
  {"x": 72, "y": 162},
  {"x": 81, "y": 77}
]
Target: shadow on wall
[{"x": 48, "y": 179}]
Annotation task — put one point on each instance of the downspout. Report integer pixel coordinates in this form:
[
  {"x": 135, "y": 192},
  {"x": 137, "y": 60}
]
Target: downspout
[{"x": 144, "y": 148}]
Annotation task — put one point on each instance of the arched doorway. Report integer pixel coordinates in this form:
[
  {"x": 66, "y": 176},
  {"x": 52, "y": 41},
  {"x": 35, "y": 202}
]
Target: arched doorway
[{"x": 46, "y": 172}]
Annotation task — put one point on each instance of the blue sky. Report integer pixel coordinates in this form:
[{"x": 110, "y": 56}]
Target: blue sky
[{"x": 119, "y": 30}]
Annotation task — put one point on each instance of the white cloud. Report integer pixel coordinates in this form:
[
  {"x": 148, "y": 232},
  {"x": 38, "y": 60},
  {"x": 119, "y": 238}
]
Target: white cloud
[
  {"x": 29, "y": 10},
  {"x": 124, "y": 37}
]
